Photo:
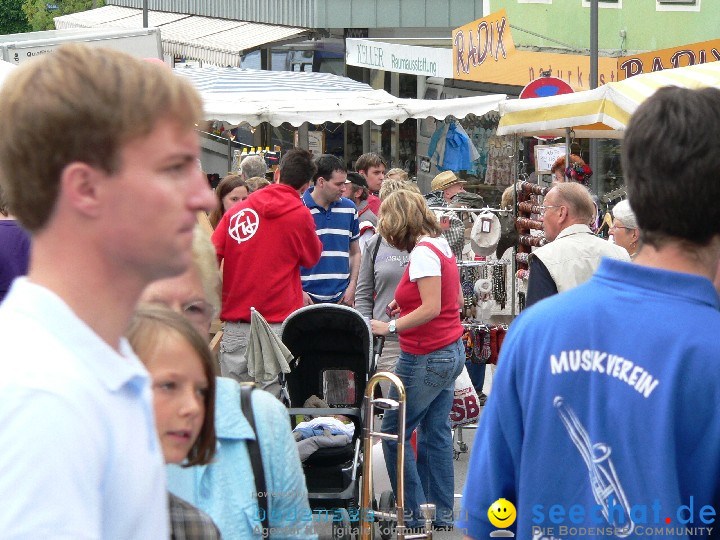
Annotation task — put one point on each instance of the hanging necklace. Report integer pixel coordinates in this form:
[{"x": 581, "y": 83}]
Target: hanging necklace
[{"x": 499, "y": 290}]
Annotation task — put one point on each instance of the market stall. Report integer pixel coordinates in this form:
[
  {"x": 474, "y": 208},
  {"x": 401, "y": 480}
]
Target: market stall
[{"x": 600, "y": 113}]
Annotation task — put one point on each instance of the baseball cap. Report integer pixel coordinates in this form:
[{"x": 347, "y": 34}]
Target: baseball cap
[{"x": 356, "y": 178}]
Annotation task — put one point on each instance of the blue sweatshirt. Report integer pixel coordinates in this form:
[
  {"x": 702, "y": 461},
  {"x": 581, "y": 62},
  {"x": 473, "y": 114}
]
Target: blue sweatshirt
[{"x": 603, "y": 414}]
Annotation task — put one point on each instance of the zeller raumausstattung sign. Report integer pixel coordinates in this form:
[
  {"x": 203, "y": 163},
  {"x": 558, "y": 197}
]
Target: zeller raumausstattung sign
[{"x": 410, "y": 59}]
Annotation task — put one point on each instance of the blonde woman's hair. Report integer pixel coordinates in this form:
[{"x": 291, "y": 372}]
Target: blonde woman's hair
[
  {"x": 400, "y": 173},
  {"x": 508, "y": 197},
  {"x": 404, "y": 217},
  {"x": 257, "y": 182},
  {"x": 391, "y": 185}
]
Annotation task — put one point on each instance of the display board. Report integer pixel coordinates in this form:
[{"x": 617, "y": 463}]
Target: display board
[
  {"x": 546, "y": 155},
  {"x": 316, "y": 141}
]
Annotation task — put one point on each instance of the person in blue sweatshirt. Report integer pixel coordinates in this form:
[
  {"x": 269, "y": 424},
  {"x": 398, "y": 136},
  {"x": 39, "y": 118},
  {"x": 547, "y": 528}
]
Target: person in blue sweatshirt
[{"x": 602, "y": 418}]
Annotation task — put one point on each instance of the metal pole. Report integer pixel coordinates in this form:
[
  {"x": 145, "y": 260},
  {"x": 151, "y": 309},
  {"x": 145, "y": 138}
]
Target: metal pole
[
  {"x": 593, "y": 43},
  {"x": 265, "y": 132},
  {"x": 395, "y": 131},
  {"x": 513, "y": 211},
  {"x": 229, "y": 153},
  {"x": 568, "y": 150},
  {"x": 145, "y": 13},
  {"x": 594, "y": 158},
  {"x": 303, "y": 140}
]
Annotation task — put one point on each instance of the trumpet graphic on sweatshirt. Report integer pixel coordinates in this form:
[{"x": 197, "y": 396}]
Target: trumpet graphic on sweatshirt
[{"x": 603, "y": 478}]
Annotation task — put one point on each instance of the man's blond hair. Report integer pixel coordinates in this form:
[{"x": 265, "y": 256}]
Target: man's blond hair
[{"x": 80, "y": 104}]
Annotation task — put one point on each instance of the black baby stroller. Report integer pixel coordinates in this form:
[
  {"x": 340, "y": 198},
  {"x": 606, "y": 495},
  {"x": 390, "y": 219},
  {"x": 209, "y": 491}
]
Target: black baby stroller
[{"x": 332, "y": 352}]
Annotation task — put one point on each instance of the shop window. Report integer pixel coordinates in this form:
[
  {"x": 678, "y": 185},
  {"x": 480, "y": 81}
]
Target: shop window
[{"x": 677, "y": 5}]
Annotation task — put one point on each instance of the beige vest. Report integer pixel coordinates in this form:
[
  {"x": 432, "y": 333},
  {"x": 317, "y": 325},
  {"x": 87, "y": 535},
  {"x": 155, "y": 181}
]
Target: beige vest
[{"x": 575, "y": 255}]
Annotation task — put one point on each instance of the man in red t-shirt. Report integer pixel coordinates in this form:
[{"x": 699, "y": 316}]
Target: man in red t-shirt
[{"x": 264, "y": 240}]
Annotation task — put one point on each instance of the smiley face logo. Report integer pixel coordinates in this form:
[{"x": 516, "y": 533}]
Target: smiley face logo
[{"x": 502, "y": 513}]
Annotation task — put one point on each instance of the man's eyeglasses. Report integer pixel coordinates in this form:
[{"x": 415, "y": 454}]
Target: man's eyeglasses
[
  {"x": 200, "y": 311},
  {"x": 543, "y": 208},
  {"x": 620, "y": 227}
]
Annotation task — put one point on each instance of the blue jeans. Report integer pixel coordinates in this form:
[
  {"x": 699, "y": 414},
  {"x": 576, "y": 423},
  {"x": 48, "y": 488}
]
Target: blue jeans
[
  {"x": 429, "y": 385},
  {"x": 477, "y": 375}
]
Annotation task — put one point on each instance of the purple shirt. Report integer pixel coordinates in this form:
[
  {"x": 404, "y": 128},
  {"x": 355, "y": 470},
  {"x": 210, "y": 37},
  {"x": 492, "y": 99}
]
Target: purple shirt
[{"x": 14, "y": 253}]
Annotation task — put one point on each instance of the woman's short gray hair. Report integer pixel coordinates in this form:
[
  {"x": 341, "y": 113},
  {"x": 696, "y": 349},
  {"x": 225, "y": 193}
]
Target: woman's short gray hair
[{"x": 624, "y": 213}]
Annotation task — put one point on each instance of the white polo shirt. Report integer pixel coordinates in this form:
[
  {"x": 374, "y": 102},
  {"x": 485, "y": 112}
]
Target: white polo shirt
[{"x": 79, "y": 455}]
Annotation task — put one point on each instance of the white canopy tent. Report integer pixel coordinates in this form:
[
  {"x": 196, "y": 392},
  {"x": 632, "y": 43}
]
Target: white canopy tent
[{"x": 238, "y": 95}]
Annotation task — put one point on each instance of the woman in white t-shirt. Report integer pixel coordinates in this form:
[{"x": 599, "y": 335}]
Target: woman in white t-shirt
[{"x": 431, "y": 353}]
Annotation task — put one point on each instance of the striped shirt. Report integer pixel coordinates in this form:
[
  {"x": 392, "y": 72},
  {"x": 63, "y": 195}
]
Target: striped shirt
[{"x": 336, "y": 227}]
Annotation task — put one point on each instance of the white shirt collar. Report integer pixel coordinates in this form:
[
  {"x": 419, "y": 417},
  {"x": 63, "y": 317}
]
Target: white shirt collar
[{"x": 111, "y": 368}]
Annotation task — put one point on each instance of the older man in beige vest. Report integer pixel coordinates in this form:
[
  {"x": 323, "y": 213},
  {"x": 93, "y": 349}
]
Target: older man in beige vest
[{"x": 574, "y": 252}]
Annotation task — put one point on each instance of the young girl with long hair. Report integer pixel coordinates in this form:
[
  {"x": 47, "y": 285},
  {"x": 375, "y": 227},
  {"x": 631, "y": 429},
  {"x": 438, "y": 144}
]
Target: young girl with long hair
[{"x": 183, "y": 382}]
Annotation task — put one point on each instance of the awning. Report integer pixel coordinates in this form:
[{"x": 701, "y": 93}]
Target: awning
[
  {"x": 256, "y": 96},
  {"x": 216, "y": 41},
  {"x": 603, "y": 112}
]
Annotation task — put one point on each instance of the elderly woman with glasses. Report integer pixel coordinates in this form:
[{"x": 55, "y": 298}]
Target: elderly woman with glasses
[
  {"x": 226, "y": 488},
  {"x": 625, "y": 229},
  {"x": 195, "y": 293}
]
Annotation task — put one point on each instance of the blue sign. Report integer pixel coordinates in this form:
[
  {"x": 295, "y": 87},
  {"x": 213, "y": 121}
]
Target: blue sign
[{"x": 52, "y": 7}]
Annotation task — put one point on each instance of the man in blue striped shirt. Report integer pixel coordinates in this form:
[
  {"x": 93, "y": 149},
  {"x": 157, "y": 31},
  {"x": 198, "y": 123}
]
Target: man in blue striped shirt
[{"x": 334, "y": 277}]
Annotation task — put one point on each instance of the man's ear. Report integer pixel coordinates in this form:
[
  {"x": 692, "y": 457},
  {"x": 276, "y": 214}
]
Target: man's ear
[
  {"x": 563, "y": 214},
  {"x": 81, "y": 186}
]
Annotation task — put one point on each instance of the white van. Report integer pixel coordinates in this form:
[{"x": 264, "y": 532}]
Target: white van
[{"x": 143, "y": 43}]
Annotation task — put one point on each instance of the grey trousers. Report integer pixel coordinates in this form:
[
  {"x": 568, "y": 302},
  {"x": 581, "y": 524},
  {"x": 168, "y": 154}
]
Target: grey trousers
[{"x": 233, "y": 363}]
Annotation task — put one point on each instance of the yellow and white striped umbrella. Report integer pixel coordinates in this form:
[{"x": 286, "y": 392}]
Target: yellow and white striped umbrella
[{"x": 600, "y": 113}]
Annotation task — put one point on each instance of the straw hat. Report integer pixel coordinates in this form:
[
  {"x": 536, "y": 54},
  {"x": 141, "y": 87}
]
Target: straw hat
[
  {"x": 485, "y": 234},
  {"x": 444, "y": 180}
]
